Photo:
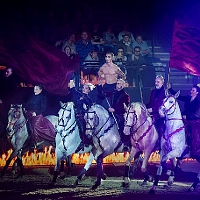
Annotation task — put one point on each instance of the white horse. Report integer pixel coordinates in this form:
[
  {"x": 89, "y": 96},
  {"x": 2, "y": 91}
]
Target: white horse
[
  {"x": 173, "y": 141},
  {"x": 106, "y": 138},
  {"x": 18, "y": 135},
  {"x": 68, "y": 139}
]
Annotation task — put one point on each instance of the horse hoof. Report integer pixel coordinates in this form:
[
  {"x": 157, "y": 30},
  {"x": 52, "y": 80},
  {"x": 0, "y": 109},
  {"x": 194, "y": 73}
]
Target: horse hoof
[
  {"x": 125, "y": 185},
  {"x": 51, "y": 184},
  {"x": 76, "y": 183},
  {"x": 19, "y": 176},
  {"x": 62, "y": 175},
  {"x": 151, "y": 191},
  {"x": 144, "y": 183},
  {"x": 191, "y": 189},
  {"x": 104, "y": 177},
  {"x": 170, "y": 181},
  {"x": 94, "y": 187}
]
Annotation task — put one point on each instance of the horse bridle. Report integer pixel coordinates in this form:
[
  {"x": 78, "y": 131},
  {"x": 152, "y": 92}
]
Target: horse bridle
[
  {"x": 173, "y": 105},
  {"x": 18, "y": 114},
  {"x": 95, "y": 124},
  {"x": 135, "y": 119},
  {"x": 65, "y": 124}
]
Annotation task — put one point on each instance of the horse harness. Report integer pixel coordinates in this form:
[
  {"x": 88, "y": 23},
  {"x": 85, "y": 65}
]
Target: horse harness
[
  {"x": 20, "y": 126},
  {"x": 135, "y": 131},
  {"x": 93, "y": 128},
  {"x": 177, "y": 130},
  {"x": 71, "y": 128}
]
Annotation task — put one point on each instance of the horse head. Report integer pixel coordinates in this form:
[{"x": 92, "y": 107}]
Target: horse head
[
  {"x": 14, "y": 115},
  {"x": 91, "y": 119},
  {"x": 66, "y": 116},
  {"x": 135, "y": 114},
  {"x": 169, "y": 105},
  {"x": 130, "y": 119}
]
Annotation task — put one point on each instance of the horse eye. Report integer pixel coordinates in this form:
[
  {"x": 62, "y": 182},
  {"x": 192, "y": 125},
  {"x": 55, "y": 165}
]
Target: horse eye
[{"x": 171, "y": 101}]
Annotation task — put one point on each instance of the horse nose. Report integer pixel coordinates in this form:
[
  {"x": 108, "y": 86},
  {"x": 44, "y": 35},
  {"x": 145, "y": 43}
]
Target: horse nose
[{"x": 9, "y": 130}]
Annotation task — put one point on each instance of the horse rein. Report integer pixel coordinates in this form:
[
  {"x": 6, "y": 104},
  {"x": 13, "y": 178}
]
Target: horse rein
[
  {"x": 23, "y": 123},
  {"x": 173, "y": 105},
  {"x": 134, "y": 120},
  {"x": 177, "y": 130},
  {"x": 64, "y": 125},
  {"x": 93, "y": 128},
  {"x": 144, "y": 134}
]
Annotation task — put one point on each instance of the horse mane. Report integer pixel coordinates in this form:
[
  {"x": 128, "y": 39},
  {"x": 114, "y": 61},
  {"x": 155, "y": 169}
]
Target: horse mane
[
  {"x": 144, "y": 110},
  {"x": 102, "y": 109}
]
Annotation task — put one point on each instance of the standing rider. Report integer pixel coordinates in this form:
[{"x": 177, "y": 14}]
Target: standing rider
[
  {"x": 80, "y": 98},
  {"x": 110, "y": 73}
]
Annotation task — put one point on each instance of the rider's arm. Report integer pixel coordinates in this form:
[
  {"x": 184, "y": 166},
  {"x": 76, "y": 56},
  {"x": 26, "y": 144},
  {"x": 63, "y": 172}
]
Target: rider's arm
[
  {"x": 180, "y": 97},
  {"x": 100, "y": 72},
  {"x": 120, "y": 73}
]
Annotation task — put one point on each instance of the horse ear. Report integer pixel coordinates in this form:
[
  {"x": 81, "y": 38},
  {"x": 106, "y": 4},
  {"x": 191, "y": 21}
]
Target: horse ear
[
  {"x": 61, "y": 104},
  {"x": 84, "y": 106},
  {"x": 177, "y": 94},
  {"x": 166, "y": 92},
  {"x": 125, "y": 107}
]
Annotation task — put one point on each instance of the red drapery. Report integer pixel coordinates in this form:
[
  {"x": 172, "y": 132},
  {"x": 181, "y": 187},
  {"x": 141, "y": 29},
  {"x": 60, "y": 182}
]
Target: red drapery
[
  {"x": 35, "y": 61},
  {"x": 185, "y": 51}
]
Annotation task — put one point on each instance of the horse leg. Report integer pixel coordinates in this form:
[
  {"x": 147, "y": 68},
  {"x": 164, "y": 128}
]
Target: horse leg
[
  {"x": 62, "y": 171},
  {"x": 195, "y": 183},
  {"x": 171, "y": 173},
  {"x": 84, "y": 170},
  {"x": 157, "y": 178},
  {"x": 126, "y": 182},
  {"x": 69, "y": 165},
  {"x": 144, "y": 167},
  {"x": 137, "y": 159},
  {"x": 100, "y": 173},
  {"x": 57, "y": 167}
]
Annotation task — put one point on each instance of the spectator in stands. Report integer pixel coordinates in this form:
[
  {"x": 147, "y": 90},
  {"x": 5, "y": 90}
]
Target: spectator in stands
[
  {"x": 71, "y": 42},
  {"x": 96, "y": 35},
  {"x": 91, "y": 66},
  {"x": 110, "y": 40},
  {"x": 67, "y": 51},
  {"x": 84, "y": 46},
  {"x": 120, "y": 58},
  {"x": 137, "y": 58},
  {"x": 92, "y": 57},
  {"x": 127, "y": 46},
  {"x": 84, "y": 27},
  {"x": 137, "y": 64},
  {"x": 127, "y": 32},
  {"x": 144, "y": 49}
]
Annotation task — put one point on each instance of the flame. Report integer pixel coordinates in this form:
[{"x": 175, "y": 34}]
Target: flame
[{"x": 48, "y": 157}]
